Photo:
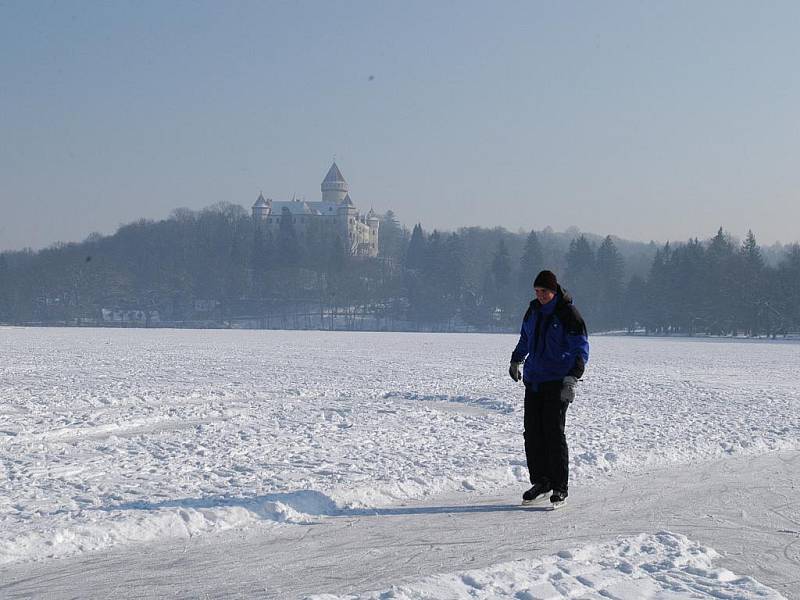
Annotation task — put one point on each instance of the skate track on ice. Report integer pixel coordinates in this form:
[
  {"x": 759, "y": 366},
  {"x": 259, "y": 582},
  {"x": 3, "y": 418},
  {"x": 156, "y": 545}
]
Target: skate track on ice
[{"x": 746, "y": 508}]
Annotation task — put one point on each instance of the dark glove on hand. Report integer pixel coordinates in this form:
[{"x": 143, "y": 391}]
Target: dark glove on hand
[
  {"x": 514, "y": 371},
  {"x": 568, "y": 389}
]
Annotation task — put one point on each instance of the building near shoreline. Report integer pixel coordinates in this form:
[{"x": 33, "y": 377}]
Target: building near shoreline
[{"x": 335, "y": 216}]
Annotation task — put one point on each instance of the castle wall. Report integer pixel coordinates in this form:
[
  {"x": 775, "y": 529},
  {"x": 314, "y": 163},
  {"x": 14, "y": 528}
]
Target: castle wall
[{"x": 358, "y": 234}]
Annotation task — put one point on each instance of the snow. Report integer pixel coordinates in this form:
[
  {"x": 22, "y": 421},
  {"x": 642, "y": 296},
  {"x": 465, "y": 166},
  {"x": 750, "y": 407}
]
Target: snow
[
  {"x": 661, "y": 566},
  {"x": 114, "y": 438}
]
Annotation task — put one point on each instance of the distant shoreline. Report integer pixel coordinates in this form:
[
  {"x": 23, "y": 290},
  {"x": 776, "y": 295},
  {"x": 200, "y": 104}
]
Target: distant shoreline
[{"x": 187, "y": 326}]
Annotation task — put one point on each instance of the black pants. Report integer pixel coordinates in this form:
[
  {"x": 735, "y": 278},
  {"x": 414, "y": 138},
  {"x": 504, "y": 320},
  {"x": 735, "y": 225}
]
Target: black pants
[{"x": 545, "y": 443}]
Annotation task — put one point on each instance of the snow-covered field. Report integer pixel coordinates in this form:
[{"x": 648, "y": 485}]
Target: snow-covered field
[{"x": 111, "y": 438}]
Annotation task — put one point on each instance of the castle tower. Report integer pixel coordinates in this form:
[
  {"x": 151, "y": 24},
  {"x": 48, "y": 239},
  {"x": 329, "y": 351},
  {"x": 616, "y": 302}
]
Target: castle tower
[
  {"x": 261, "y": 209},
  {"x": 374, "y": 223},
  {"x": 334, "y": 187}
]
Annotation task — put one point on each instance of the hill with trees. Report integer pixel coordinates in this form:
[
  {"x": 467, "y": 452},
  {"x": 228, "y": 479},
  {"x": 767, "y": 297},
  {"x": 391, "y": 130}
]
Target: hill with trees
[{"x": 215, "y": 268}]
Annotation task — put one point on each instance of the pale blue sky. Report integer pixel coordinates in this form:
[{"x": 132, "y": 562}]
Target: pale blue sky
[{"x": 657, "y": 120}]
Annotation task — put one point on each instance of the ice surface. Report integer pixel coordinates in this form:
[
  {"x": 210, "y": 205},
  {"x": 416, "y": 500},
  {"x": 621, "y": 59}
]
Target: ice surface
[
  {"x": 110, "y": 437},
  {"x": 661, "y": 566}
]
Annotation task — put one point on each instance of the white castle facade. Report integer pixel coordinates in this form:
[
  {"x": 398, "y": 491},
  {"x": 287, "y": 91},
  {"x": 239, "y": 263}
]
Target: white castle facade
[{"x": 335, "y": 215}]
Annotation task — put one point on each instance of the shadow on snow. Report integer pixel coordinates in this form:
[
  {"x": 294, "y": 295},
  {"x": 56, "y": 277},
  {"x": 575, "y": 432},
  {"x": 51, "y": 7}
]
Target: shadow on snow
[{"x": 313, "y": 504}]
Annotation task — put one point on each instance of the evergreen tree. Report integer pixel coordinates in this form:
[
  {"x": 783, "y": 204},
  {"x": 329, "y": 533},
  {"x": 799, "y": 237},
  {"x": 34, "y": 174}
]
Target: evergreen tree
[
  {"x": 236, "y": 275},
  {"x": 635, "y": 304},
  {"x": 289, "y": 251},
  {"x": 501, "y": 266},
  {"x": 337, "y": 257},
  {"x": 336, "y": 277},
  {"x": 433, "y": 259},
  {"x": 427, "y": 296},
  {"x": 498, "y": 292},
  {"x": 786, "y": 313},
  {"x": 5, "y": 286},
  {"x": 751, "y": 281},
  {"x": 261, "y": 259},
  {"x": 720, "y": 273},
  {"x": 530, "y": 264},
  {"x": 438, "y": 304},
  {"x": 658, "y": 292},
  {"x": 752, "y": 253},
  {"x": 391, "y": 240},
  {"x": 453, "y": 268},
  {"x": 415, "y": 255},
  {"x": 580, "y": 277},
  {"x": 686, "y": 288},
  {"x": 610, "y": 273}
]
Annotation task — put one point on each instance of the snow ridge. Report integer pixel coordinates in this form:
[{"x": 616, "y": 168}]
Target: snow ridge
[{"x": 664, "y": 565}]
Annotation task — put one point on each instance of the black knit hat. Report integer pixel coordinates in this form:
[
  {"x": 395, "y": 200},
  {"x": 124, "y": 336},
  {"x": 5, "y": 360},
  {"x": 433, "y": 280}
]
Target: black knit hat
[{"x": 547, "y": 280}]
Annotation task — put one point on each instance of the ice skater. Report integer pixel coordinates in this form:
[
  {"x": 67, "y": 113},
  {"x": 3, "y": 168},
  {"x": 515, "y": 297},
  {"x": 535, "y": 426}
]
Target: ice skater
[{"x": 554, "y": 347}]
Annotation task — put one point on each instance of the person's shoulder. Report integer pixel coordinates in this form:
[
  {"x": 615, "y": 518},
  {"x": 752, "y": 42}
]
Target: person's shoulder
[
  {"x": 531, "y": 308},
  {"x": 571, "y": 318}
]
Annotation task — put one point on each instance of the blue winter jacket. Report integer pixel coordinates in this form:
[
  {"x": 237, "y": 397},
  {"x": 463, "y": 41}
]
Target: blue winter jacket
[{"x": 554, "y": 340}]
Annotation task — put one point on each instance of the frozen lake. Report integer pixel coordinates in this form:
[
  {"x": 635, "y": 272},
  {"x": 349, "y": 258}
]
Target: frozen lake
[{"x": 112, "y": 437}]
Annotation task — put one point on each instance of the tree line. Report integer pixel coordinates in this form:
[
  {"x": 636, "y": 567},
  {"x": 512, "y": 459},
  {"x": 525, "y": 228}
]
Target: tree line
[
  {"x": 216, "y": 265},
  {"x": 716, "y": 287}
]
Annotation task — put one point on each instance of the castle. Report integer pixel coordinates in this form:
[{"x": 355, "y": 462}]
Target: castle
[{"x": 335, "y": 215}]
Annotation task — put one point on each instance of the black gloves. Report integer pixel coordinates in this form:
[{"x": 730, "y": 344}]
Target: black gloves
[{"x": 514, "y": 370}]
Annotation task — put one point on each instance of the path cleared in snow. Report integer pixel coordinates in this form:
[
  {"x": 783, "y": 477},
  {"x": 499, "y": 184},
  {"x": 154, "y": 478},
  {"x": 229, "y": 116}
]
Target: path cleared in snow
[
  {"x": 657, "y": 566},
  {"x": 745, "y": 508}
]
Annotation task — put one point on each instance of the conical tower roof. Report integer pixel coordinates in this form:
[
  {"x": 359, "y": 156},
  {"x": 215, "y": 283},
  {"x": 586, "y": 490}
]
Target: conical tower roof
[{"x": 334, "y": 175}]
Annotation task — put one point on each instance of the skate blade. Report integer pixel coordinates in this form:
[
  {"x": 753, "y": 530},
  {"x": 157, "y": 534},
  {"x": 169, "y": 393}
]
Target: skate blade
[
  {"x": 536, "y": 500},
  {"x": 557, "y": 505}
]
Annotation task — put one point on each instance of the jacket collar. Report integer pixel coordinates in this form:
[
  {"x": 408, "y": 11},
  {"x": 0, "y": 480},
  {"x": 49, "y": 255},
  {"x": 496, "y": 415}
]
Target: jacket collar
[{"x": 562, "y": 297}]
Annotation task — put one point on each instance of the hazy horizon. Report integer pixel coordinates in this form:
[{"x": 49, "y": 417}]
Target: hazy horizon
[
  {"x": 647, "y": 122},
  {"x": 736, "y": 236}
]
